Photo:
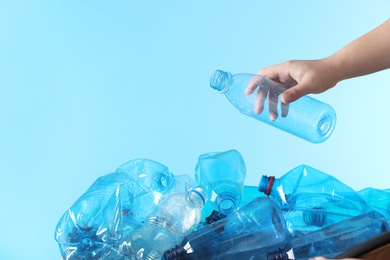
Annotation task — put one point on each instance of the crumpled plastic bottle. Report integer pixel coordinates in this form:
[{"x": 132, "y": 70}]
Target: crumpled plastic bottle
[
  {"x": 114, "y": 204},
  {"x": 222, "y": 176},
  {"x": 340, "y": 237},
  {"x": 175, "y": 217},
  {"x": 311, "y": 199},
  {"x": 377, "y": 199}
]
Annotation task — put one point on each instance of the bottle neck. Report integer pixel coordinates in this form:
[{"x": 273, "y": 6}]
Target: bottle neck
[
  {"x": 226, "y": 203},
  {"x": 266, "y": 184},
  {"x": 196, "y": 197},
  {"x": 221, "y": 81}
]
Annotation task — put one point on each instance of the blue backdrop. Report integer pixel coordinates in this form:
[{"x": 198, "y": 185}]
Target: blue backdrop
[{"x": 88, "y": 85}]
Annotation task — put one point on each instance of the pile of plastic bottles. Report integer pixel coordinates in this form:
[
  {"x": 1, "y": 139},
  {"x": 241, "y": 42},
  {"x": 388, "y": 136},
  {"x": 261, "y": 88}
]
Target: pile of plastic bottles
[{"x": 142, "y": 211}]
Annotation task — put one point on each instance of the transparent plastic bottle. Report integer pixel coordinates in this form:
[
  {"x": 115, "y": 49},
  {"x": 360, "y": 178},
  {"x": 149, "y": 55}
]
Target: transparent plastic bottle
[
  {"x": 311, "y": 199},
  {"x": 113, "y": 205},
  {"x": 151, "y": 181},
  {"x": 222, "y": 176},
  {"x": 377, "y": 199},
  {"x": 175, "y": 217},
  {"x": 255, "y": 231},
  {"x": 307, "y": 118},
  {"x": 340, "y": 237}
]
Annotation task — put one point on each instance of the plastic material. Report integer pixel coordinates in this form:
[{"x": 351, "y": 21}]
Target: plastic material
[
  {"x": 378, "y": 200},
  {"x": 176, "y": 216},
  {"x": 338, "y": 238},
  {"x": 113, "y": 205},
  {"x": 311, "y": 199},
  {"x": 254, "y": 231},
  {"x": 222, "y": 176},
  {"x": 249, "y": 193},
  {"x": 306, "y": 118},
  {"x": 150, "y": 182}
]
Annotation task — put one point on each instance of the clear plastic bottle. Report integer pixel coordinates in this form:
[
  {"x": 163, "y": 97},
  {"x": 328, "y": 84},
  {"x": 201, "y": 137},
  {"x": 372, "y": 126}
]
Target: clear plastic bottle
[
  {"x": 340, "y": 237},
  {"x": 311, "y": 199},
  {"x": 256, "y": 230},
  {"x": 222, "y": 176},
  {"x": 113, "y": 205},
  {"x": 306, "y": 118},
  {"x": 175, "y": 217},
  {"x": 377, "y": 199},
  {"x": 150, "y": 181}
]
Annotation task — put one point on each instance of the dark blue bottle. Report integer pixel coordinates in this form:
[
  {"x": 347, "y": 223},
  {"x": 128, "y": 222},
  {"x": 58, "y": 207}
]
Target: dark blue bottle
[{"x": 255, "y": 231}]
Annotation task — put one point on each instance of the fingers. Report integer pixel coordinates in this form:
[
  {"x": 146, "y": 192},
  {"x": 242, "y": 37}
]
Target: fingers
[
  {"x": 273, "y": 105},
  {"x": 252, "y": 85},
  {"x": 293, "y": 94},
  {"x": 260, "y": 99},
  {"x": 271, "y": 72}
]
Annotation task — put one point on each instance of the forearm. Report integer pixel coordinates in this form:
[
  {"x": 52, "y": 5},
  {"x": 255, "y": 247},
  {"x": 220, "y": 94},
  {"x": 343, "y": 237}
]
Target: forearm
[{"x": 368, "y": 54}]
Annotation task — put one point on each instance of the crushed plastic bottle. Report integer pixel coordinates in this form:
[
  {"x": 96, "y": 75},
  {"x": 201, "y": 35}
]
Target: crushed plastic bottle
[
  {"x": 222, "y": 176},
  {"x": 311, "y": 199},
  {"x": 340, "y": 237},
  {"x": 113, "y": 205},
  {"x": 175, "y": 217},
  {"x": 151, "y": 181},
  {"x": 377, "y": 199}
]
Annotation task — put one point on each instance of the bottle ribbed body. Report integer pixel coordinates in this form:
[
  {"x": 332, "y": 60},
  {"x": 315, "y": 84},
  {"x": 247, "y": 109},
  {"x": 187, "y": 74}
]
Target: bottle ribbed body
[{"x": 307, "y": 118}]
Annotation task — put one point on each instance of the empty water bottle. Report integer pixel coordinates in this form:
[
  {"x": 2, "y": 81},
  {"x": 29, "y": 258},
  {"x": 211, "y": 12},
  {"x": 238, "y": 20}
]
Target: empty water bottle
[
  {"x": 340, "y": 237},
  {"x": 311, "y": 199},
  {"x": 306, "y": 118},
  {"x": 255, "y": 231},
  {"x": 222, "y": 176},
  {"x": 175, "y": 216},
  {"x": 112, "y": 206},
  {"x": 92, "y": 226},
  {"x": 151, "y": 181},
  {"x": 377, "y": 199}
]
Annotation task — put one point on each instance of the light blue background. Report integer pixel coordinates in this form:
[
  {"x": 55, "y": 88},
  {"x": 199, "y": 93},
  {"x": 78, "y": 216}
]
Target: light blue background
[{"x": 88, "y": 85}]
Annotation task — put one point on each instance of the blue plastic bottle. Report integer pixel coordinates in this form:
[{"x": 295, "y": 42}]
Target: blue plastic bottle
[
  {"x": 222, "y": 176},
  {"x": 340, "y": 237},
  {"x": 151, "y": 181},
  {"x": 175, "y": 217},
  {"x": 306, "y": 118},
  {"x": 256, "y": 230},
  {"x": 311, "y": 199},
  {"x": 112, "y": 206},
  {"x": 378, "y": 200}
]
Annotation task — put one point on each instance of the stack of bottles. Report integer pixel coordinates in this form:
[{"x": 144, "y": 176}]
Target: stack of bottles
[{"x": 143, "y": 211}]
